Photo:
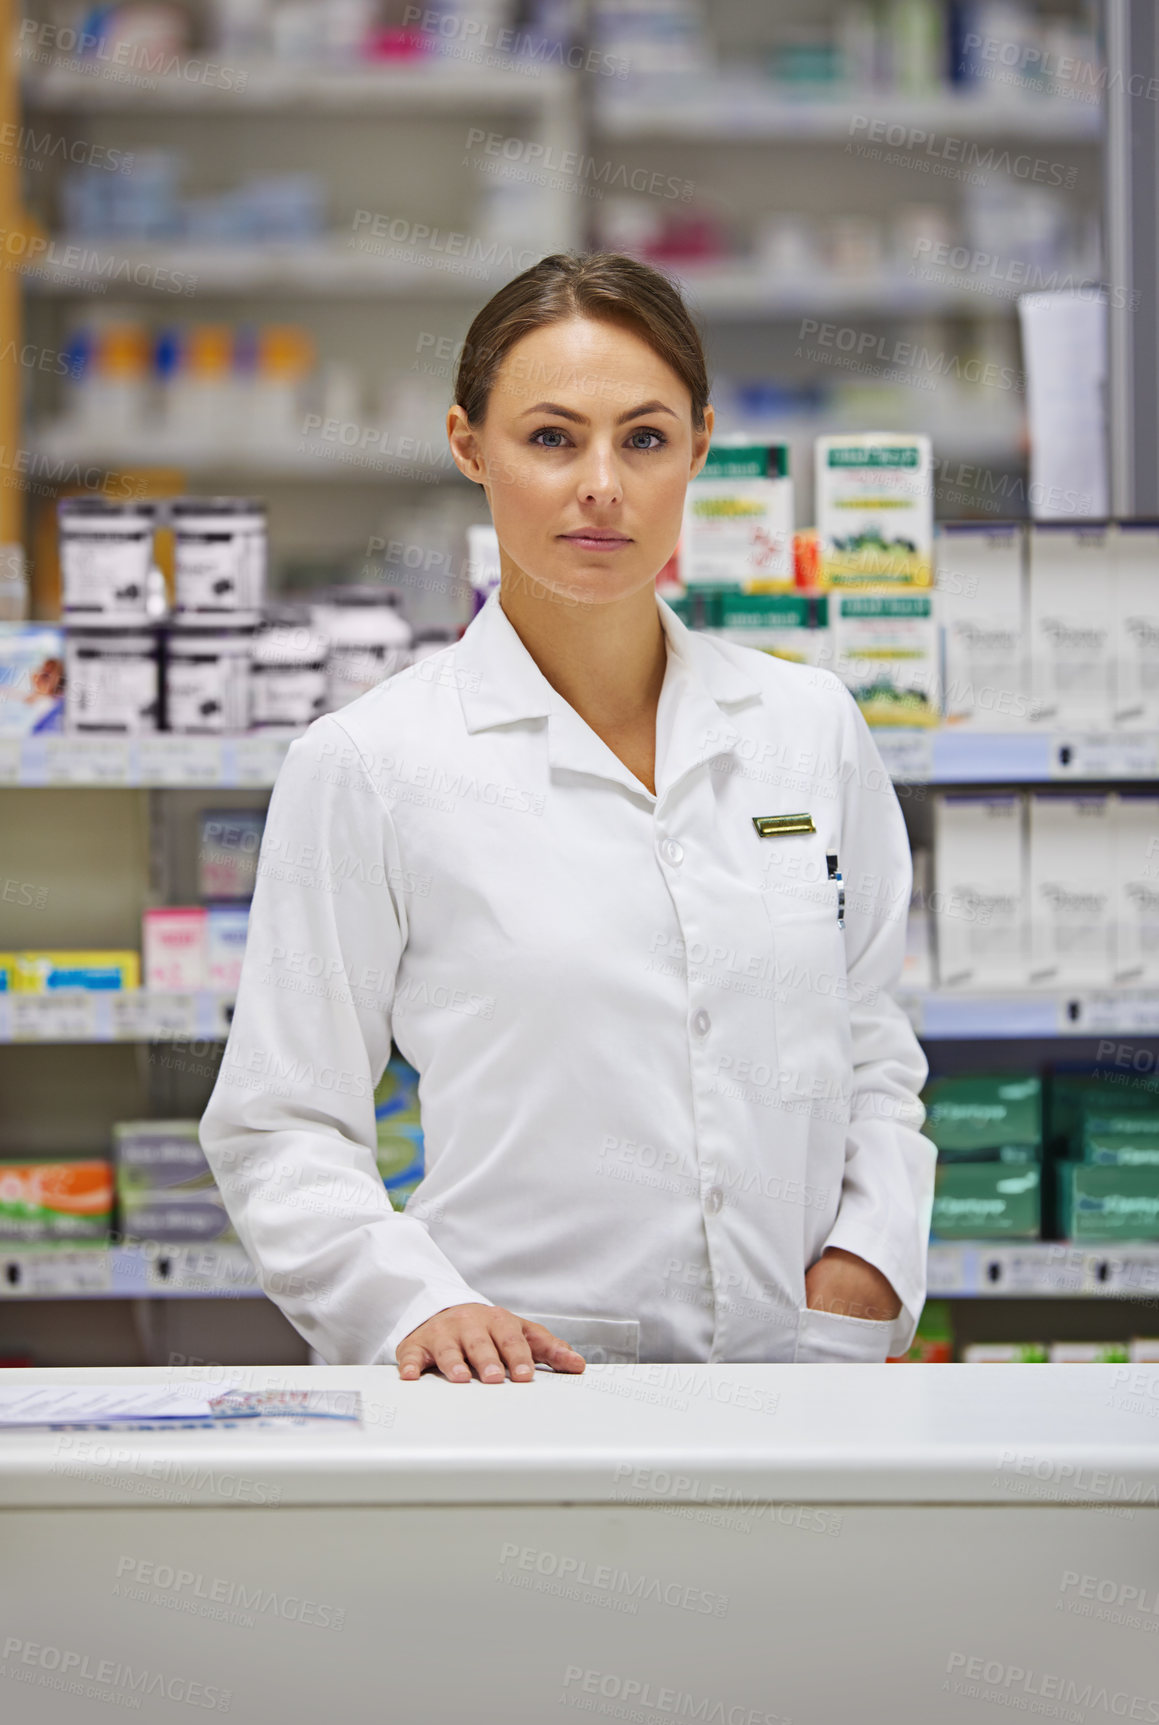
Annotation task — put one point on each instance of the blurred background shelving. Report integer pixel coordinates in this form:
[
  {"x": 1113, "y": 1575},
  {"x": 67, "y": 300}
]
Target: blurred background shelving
[{"x": 821, "y": 176}]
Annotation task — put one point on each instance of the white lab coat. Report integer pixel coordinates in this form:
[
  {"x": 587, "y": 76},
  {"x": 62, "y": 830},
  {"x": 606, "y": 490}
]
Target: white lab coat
[{"x": 657, "y": 1079}]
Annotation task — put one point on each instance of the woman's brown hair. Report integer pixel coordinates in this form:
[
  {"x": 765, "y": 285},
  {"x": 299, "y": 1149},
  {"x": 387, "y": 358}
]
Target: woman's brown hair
[{"x": 601, "y": 285}]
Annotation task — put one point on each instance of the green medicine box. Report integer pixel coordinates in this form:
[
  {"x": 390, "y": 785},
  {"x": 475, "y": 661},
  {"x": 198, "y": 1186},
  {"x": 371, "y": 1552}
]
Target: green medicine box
[
  {"x": 1121, "y": 1140},
  {"x": 1108, "y": 1203},
  {"x": 986, "y": 1201},
  {"x": 985, "y": 1118}
]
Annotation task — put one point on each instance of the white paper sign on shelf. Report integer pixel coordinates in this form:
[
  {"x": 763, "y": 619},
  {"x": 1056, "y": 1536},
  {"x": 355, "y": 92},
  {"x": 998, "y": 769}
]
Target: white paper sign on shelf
[
  {"x": 1105, "y": 755},
  {"x": 174, "y": 760},
  {"x": 1046, "y": 1268},
  {"x": 907, "y": 754},
  {"x": 45, "y": 1270},
  {"x": 951, "y": 1269},
  {"x": 87, "y": 760},
  {"x": 65, "y": 1015},
  {"x": 256, "y": 759}
]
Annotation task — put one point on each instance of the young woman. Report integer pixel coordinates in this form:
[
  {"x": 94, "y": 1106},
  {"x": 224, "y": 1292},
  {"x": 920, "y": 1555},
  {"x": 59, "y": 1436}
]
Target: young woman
[{"x": 670, "y": 1106}]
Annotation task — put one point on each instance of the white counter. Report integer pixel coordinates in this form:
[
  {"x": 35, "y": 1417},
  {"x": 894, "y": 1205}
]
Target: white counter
[{"x": 724, "y": 1543}]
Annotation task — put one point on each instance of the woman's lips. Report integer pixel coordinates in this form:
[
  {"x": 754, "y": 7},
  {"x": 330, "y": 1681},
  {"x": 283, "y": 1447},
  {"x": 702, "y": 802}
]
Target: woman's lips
[{"x": 587, "y": 543}]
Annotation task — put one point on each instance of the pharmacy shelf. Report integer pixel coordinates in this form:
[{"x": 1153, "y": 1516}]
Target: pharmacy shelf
[
  {"x": 144, "y": 1269},
  {"x": 912, "y": 756},
  {"x": 115, "y": 1015},
  {"x": 149, "y": 1015},
  {"x": 961, "y": 1270},
  {"x": 735, "y": 109},
  {"x": 946, "y": 756},
  {"x": 948, "y": 1015},
  {"x": 339, "y": 266},
  {"x": 434, "y": 85},
  {"x": 162, "y": 761},
  {"x": 357, "y": 265},
  {"x": 347, "y": 453},
  {"x": 1034, "y": 1269}
]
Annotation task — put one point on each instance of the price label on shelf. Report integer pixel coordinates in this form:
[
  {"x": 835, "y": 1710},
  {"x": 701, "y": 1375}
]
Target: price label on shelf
[
  {"x": 67, "y": 1015},
  {"x": 173, "y": 760},
  {"x": 256, "y": 759},
  {"x": 1119, "y": 1012},
  {"x": 1105, "y": 755},
  {"x": 86, "y": 761},
  {"x": 53, "y": 1270},
  {"x": 208, "y": 1269},
  {"x": 906, "y": 754},
  {"x": 1129, "y": 1270}
]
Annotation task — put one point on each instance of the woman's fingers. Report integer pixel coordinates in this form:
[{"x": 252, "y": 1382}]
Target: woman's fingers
[
  {"x": 551, "y": 1350},
  {"x": 488, "y": 1340}
]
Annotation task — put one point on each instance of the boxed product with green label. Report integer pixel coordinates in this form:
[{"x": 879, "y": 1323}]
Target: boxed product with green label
[
  {"x": 1006, "y": 1354},
  {"x": 885, "y": 650},
  {"x": 738, "y": 518},
  {"x": 874, "y": 506},
  {"x": 1107, "y": 1203},
  {"x": 986, "y": 1201},
  {"x": 790, "y": 626},
  {"x": 1128, "y": 1140},
  {"x": 56, "y": 1199},
  {"x": 985, "y": 1118},
  {"x": 1075, "y": 1089},
  {"x": 1089, "y": 1353}
]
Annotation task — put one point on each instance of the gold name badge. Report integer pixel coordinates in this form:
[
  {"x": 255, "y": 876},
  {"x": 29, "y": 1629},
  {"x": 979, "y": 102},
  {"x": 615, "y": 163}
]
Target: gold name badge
[{"x": 769, "y": 826}]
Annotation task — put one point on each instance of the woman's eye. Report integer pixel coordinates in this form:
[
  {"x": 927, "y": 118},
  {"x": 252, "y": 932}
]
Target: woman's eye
[{"x": 640, "y": 431}]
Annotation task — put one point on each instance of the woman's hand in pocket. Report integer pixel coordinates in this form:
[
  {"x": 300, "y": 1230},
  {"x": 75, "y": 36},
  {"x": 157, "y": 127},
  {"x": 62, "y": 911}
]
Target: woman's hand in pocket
[
  {"x": 842, "y": 1282},
  {"x": 487, "y": 1339}
]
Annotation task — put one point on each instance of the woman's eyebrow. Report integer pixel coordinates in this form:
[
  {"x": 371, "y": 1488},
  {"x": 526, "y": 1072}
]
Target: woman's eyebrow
[{"x": 581, "y": 419}]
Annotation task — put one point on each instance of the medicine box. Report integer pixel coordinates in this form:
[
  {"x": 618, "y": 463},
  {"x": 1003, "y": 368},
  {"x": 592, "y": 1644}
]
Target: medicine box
[
  {"x": 42, "y": 972},
  {"x": 885, "y": 648},
  {"x": 1070, "y": 891},
  {"x": 979, "y": 898},
  {"x": 57, "y": 1199},
  {"x": 225, "y": 937},
  {"x": 176, "y": 1218},
  {"x": 1135, "y": 648},
  {"x": 874, "y": 508},
  {"x": 1089, "y": 1353},
  {"x": 31, "y": 679},
  {"x": 229, "y": 842},
  {"x": 1005, "y": 1354},
  {"x": 1107, "y": 1203},
  {"x": 160, "y": 1155},
  {"x": 1129, "y": 1140},
  {"x": 986, "y": 1201},
  {"x": 982, "y": 1117},
  {"x": 174, "y": 943},
  {"x": 980, "y": 608},
  {"x": 1071, "y": 618},
  {"x": 1135, "y": 907},
  {"x": 783, "y": 624},
  {"x": 738, "y": 518}
]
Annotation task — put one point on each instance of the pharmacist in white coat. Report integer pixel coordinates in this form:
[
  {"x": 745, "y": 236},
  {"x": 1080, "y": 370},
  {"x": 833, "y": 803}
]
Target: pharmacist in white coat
[{"x": 670, "y": 1105}]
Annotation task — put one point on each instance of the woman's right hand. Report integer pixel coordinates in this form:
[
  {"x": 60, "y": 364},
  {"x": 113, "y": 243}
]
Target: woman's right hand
[{"x": 487, "y": 1338}]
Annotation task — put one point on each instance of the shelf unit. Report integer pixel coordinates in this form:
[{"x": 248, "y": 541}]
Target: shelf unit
[{"x": 725, "y": 119}]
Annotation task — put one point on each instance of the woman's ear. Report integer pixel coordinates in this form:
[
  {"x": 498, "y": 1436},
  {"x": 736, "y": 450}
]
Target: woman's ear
[{"x": 700, "y": 443}]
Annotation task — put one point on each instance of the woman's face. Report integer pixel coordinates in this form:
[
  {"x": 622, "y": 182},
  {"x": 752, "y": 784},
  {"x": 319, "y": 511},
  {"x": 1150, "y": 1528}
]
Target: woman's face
[{"x": 587, "y": 429}]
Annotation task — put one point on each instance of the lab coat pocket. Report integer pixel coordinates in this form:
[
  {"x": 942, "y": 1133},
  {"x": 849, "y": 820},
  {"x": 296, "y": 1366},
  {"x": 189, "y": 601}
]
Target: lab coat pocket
[
  {"x": 814, "y": 1033},
  {"x": 601, "y": 1341},
  {"x": 835, "y": 1338}
]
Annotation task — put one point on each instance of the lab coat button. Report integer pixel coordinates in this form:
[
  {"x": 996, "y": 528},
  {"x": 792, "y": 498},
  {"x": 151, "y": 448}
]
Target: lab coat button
[
  {"x": 713, "y": 1199},
  {"x": 673, "y": 852},
  {"x": 702, "y": 1023}
]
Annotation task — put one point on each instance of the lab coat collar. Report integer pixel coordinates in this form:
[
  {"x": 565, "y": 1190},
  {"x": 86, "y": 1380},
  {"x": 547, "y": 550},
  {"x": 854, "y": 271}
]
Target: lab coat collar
[{"x": 499, "y": 682}]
